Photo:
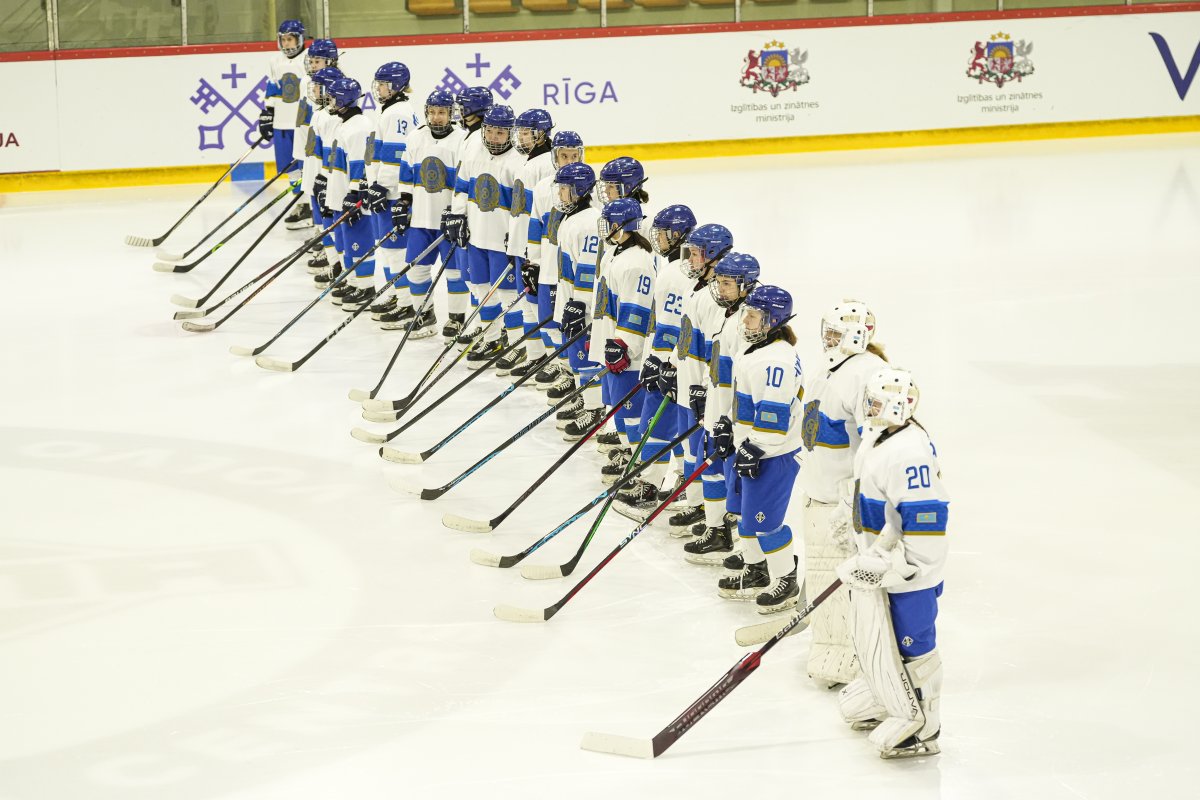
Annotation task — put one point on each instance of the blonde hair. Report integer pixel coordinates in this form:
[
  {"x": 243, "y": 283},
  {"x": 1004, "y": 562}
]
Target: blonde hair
[{"x": 877, "y": 349}]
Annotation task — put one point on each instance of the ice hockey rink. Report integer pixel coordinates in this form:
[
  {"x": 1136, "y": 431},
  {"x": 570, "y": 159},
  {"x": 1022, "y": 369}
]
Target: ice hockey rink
[{"x": 208, "y": 589}]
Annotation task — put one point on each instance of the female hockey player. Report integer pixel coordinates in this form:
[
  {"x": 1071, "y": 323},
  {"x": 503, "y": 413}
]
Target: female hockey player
[
  {"x": 322, "y": 53},
  {"x": 832, "y": 407},
  {"x": 316, "y": 170},
  {"x": 430, "y": 164},
  {"x": 621, "y": 321},
  {"x": 622, "y": 177},
  {"x": 763, "y": 436},
  {"x": 395, "y": 121},
  {"x": 277, "y": 120},
  {"x": 895, "y": 579},
  {"x": 670, "y": 228}
]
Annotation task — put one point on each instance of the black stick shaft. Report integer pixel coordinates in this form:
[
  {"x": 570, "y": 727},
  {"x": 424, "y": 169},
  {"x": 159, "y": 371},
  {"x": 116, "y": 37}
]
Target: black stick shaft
[
  {"x": 237, "y": 211},
  {"x": 159, "y": 239},
  {"x": 193, "y": 264}
]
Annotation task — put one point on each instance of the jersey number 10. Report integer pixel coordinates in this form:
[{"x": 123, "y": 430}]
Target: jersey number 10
[{"x": 775, "y": 376}]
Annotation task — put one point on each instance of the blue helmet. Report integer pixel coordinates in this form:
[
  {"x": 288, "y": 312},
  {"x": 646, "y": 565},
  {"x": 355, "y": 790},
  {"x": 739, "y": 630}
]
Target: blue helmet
[
  {"x": 564, "y": 139},
  {"x": 711, "y": 243},
  {"x": 622, "y": 214},
  {"x": 320, "y": 48},
  {"x": 538, "y": 122},
  {"x": 291, "y": 27},
  {"x": 742, "y": 267},
  {"x": 474, "y": 100},
  {"x": 344, "y": 93},
  {"x": 670, "y": 227},
  {"x": 393, "y": 76},
  {"x": 776, "y": 307},
  {"x": 624, "y": 175},
  {"x": 318, "y": 89},
  {"x": 498, "y": 117},
  {"x": 580, "y": 178},
  {"x": 440, "y": 98}
]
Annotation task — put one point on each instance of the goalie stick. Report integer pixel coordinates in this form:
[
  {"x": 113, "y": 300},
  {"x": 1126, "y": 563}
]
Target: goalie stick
[
  {"x": 653, "y": 748},
  {"x": 166, "y": 256},
  {"x": 433, "y": 494},
  {"x": 143, "y": 241},
  {"x": 486, "y": 559},
  {"x": 515, "y": 614}
]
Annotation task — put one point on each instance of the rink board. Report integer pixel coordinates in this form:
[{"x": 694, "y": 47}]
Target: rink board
[{"x": 850, "y": 78}]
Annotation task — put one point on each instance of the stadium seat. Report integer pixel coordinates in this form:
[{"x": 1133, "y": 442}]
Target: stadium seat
[
  {"x": 434, "y": 8},
  {"x": 548, "y": 5}
]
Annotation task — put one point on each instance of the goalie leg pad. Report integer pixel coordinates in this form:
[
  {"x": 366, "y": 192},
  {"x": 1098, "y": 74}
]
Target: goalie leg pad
[
  {"x": 905, "y": 738},
  {"x": 858, "y": 705},
  {"x": 878, "y": 657},
  {"x": 831, "y": 658}
]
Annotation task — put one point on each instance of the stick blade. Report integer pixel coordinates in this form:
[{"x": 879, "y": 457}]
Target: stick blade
[
  {"x": 274, "y": 364},
  {"x": 178, "y": 315},
  {"x": 367, "y": 436},
  {"x": 238, "y": 350},
  {"x": 379, "y": 416},
  {"x": 138, "y": 241},
  {"x": 162, "y": 266},
  {"x": 198, "y": 327},
  {"x": 167, "y": 255},
  {"x": 405, "y": 486},
  {"x": 515, "y": 614},
  {"x": 466, "y": 524},
  {"x": 400, "y": 456},
  {"x": 371, "y": 404},
  {"x": 617, "y": 745},
  {"x": 359, "y": 395},
  {"x": 541, "y": 572},
  {"x": 483, "y": 558},
  {"x": 186, "y": 302},
  {"x": 764, "y": 632}
]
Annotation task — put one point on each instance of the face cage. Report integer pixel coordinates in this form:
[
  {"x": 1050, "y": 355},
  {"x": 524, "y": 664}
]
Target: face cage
[
  {"x": 602, "y": 191},
  {"x": 714, "y": 288},
  {"x": 316, "y": 93},
  {"x": 664, "y": 233},
  {"x": 691, "y": 270},
  {"x": 440, "y": 128},
  {"x": 290, "y": 52},
  {"x": 828, "y": 330},
  {"x": 310, "y": 64},
  {"x": 536, "y": 137},
  {"x": 565, "y": 206},
  {"x": 492, "y": 147},
  {"x": 756, "y": 336},
  {"x": 554, "y": 151},
  {"x": 378, "y": 88}
]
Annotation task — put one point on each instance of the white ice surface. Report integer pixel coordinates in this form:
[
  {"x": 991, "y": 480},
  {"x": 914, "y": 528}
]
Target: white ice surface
[{"x": 208, "y": 591}]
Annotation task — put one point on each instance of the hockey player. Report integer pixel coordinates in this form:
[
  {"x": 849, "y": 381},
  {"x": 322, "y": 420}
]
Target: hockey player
[
  {"x": 670, "y": 228},
  {"x": 622, "y": 177},
  {"x": 470, "y": 106},
  {"x": 396, "y": 120},
  {"x": 702, "y": 320},
  {"x": 578, "y": 243},
  {"x": 321, "y": 53},
  {"x": 832, "y": 407},
  {"x": 895, "y": 578},
  {"x": 566, "y": 148},
  {"x": 531, "y": 138},
  {"x": 763, "y": 436},
  {"x": 277, "y": 120},
  {"x": 316, "y": 171},
  {"x": 428, "y": 175},
  {"x": 621, "y": 321},
  {"x": 483, "y": 199},
  {"x": 346, "y": 190}
]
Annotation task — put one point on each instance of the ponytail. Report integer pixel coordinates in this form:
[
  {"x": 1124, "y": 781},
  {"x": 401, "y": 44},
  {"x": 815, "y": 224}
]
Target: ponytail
[{"x": 878, "y": 350}]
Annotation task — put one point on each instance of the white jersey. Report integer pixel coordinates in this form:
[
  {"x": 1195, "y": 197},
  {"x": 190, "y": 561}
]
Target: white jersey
[
  {"x": 544, "y": 221},
  {"x": 537, "y": 166},
  {"x": 727, "y": 345},
  {"x": 900, "y": 489},
  {"x": 311, "y": 145},
  {"x": 766, "y": 397},
  {"x": 324, "y": 127},
  {"x": 578, "y": 243},
  {"x": 430, "y": 165},
  {"x": 393, "y": 125},
  {"x": 284, "y": 88},
  {"x": 830, "y": 429},
  {"x": 304, "y": 114},
  {"x": 483, "y": 191},
  {"x": 702, "y": 320},
  {"x": 348, "y": 159},
  {"x": 624, "y": 297},
  {"x": 671, "y": 289}
]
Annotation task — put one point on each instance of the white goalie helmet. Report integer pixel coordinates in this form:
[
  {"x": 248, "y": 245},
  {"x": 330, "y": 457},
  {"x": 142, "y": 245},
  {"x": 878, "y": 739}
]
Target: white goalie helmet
[
  {"x": 846, "y": 330},
  {"x": 890, "y": 398}
]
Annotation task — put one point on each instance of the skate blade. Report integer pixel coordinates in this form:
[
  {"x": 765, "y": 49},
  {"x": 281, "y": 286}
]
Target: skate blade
[
  {"x": 681, "y": 533},
  {"x": 708, "y": 559},
  {"x": 630, "y": 512},
  {"x": 742, "y": 595},
  {"x": 422, "y": 333},
  {"x": 865, "y": 725},
  {"x": 617, "y": 745},
  {"x": 784, "y": 606},
  {"x": 466, "y": 524},
  {"x": 930, "y": 748},
  {"x": 367, "y": 436}
]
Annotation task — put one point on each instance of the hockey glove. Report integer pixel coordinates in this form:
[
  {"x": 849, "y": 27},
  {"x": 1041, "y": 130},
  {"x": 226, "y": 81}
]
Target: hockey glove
[
  {"x": 697, "y": 394},
  {"x": 455, "y": 228},
  {"x": 353, "y": 202},
  {"x": 377, "y": 197},
  {"x": 723, "y": 437},
  {"x": 876, "y": 568},
  {"x": 650, "y": 372},
  {"x": 749, "y": 460},
  {"x": 529, "y": 277},
  {"x": 266, "y": 123},
  {"x": 401, "y": 214},
  {"x": 667, "y": 383},
  {"x": 574, "y": 315},
  {"x": 616, "y": 356},
  {"x": 320, "y": 185}
]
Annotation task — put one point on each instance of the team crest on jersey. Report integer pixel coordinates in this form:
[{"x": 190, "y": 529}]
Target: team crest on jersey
[
  {"x": 714, "y": 365},
  {"x": 289, "y": 88},
  {"x": 774, "y": 69},
  {"x": 856, "y": 512},
  {"x": 519, "y": 202},
  {"x": 811, "y": 424},
  {"x": 685, "y": 339},
  {"x": 1000, "y": 60},
  {"x": 552, "y": 224},
  {"x": 487, "y": 192},
  {"x": 433, "y": 174},
  {"x": 310, "y": 143},
  {"x": 369, "y": 157},
  {"x": 602, "y": 297}
]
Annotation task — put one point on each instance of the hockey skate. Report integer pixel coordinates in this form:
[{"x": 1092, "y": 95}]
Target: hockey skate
[
  {"x": 379, "y": 309},
  {"x": 637, "y": 501},
  {"x": 711, "y": 549},
  {"x": 299, "y": 218},
  {"x": 510, "y": 362},
  {"x": 746, "y": 584},
  {"x": 425, "y": 325},
  {"x": 567, "y": 414},
  {"x": 681, "y": 523},
  {"x": 783, "y": 593},
  {"x": 453, "y": 327},
  {"x": 483, "y": 352},
  {"x": 618, "y": 460},
  {"x": 583, "y": 424},
  {"x": 398, "y": 319}
]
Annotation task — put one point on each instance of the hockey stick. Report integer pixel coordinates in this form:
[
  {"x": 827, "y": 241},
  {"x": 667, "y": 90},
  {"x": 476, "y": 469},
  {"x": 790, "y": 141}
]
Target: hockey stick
[
  {"x": 486, "y": 559},
  {"x": 238, "y": 350},
  {"x": 404, "y": 457},
  {"x": 276, "y": 365},
  {"x": 515, "y": 614},
  {"x": 468, "y": 525},
  {"x": 541, "y": 572},
  {"x": 162, "y": 266},
  {"x": 188, "y": 302},
  {"x": 653, "y": 748},
  {"x": 358, "y": 395},
  {"x": 433, "y": 494},
  {"x": 142, "y": 241},
  {"x": 269, "y": 275},
  {"x": 172, "y": 257}
]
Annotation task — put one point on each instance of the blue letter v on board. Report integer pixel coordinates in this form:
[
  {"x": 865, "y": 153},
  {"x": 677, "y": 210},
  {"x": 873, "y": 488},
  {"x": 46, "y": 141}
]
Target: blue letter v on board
[{"x": 1182, "y": 82}]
